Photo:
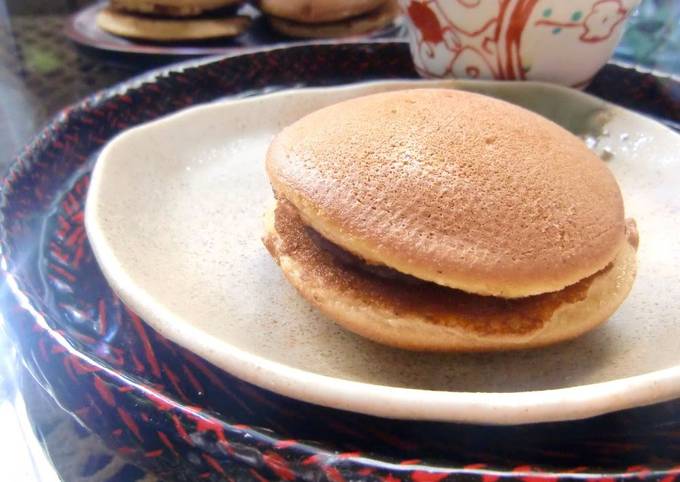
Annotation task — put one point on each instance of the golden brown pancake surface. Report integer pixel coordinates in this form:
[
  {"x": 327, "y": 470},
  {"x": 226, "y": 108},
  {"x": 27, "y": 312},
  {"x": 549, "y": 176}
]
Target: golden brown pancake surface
[
  {"x": 171, "y": 8},
  {"x": 359, "y": 25},
  {"x": 318, "y": 11},
  {"x": 452, "y": 187}
]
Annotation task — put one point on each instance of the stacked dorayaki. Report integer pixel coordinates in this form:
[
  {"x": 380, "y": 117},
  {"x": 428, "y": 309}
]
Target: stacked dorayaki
[
  {"x": 196, "y": 20},
  {"x": 328, "y": 18},
  {"x": 173, "y": 20}
]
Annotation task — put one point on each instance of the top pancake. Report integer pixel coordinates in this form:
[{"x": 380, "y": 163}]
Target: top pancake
[
  {"x": 171, "y": 8},
  {"x": 318, "y": 11},
  {"x": 452, "y": 187}
]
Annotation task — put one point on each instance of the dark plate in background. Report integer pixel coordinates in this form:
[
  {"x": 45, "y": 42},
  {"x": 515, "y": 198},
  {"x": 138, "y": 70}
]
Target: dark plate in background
[
  {"x": 175, "y": 414},
  {"x": 82, "y": 28}
]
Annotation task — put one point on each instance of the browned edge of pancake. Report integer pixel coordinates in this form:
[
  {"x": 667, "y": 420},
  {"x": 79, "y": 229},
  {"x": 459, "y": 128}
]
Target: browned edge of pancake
[{"x": 423, "y": 317}]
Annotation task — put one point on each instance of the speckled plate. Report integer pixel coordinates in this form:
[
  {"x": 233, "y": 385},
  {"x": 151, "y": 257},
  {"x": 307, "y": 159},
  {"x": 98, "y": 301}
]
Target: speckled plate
[
  {"x": 179, "y": 416},
  {"x": 174, "y": 215}
]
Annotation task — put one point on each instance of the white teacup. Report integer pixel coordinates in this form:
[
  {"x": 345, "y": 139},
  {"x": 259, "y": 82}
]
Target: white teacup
[{"x": 562, "y": 41}]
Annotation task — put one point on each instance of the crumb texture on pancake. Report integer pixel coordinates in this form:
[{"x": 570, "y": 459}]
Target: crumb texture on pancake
[
  {"x": 359, "y": 25},
  {"x": 452, "y": 187},
  {"x": 432, "y": 317},
  {"x": 168, "y": 30},
  {"x": 318, "y": 11}
]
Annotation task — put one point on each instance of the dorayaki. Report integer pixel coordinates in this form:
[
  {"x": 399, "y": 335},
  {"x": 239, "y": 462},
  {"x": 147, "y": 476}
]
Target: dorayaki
[{"x": 438, "y": 219}]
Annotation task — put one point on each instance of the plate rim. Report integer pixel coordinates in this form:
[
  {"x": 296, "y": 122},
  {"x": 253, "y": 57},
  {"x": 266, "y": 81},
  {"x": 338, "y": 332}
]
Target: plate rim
[{"x": 508, "y": 408}]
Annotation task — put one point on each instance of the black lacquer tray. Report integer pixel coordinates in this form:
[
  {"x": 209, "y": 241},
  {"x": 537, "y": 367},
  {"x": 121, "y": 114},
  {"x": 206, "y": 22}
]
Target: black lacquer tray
[{"x": 174, "y": 413}]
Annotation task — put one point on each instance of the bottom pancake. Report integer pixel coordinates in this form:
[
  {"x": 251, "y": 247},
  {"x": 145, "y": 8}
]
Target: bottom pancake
[
  {"x": 360, "y": 25},
  {"x": 170, "y": 30},
  {"x": 431, "y": 317}
]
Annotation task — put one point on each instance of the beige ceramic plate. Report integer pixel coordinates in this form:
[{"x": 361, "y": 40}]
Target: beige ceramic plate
[{"x": 174, "y": 215}]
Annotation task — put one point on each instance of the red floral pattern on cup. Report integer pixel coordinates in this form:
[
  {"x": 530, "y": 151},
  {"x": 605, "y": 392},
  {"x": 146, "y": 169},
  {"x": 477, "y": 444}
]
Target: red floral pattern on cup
[{"x": 560, "y": 41}]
